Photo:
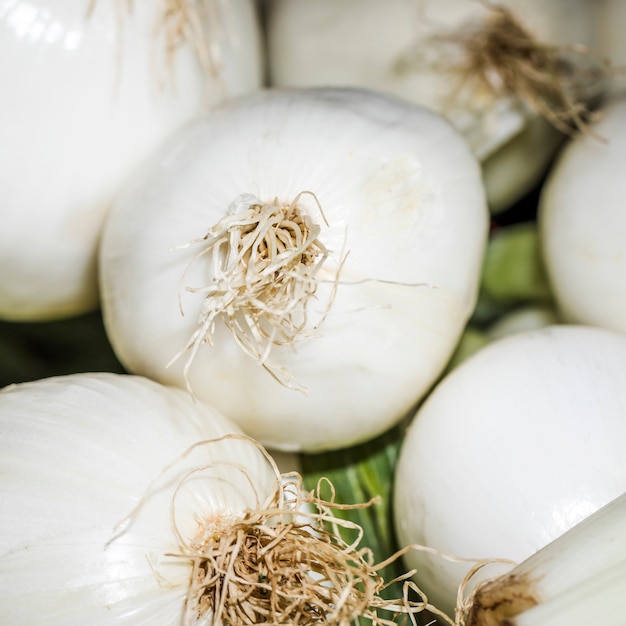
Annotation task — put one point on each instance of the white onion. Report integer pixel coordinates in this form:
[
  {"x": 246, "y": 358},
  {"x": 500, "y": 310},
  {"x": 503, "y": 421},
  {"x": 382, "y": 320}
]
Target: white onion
[
  {"x": 399, "y": 202},
  {"x": 77, "y": 455},
  {"x": 361, "y": 42},
  {"x": 582, "y": 224},
  {"x": 515, "y": 446},
  {"x": 86, "y": 97}
]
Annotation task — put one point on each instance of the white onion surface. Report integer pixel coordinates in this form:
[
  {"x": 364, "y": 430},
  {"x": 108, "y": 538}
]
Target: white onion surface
[
  {"x": 77, "y": 454},
  {"x": 515, "y": 446},
  {"x": 361, "y": 42},
  {"x": 86, "y": 96},
  {"x": 582, "y": 224},
  {"x": 520, "y": 319},
  {"x": 407, "y": 227}
]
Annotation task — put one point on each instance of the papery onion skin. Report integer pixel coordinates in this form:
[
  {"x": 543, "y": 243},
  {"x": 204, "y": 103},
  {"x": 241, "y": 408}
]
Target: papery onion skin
[
  {"x": 515, "y": 446},
  {"x": 77, "y": 453},
  {"x": 86, "y": 96},
  {"x": 582, "y": 224},
  {"x": 407, "y": 228}
]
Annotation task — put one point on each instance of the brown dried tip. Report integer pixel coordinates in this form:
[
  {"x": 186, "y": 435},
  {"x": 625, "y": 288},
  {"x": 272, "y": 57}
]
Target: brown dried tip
[
  {"x": 498, "y": 57},
  {"x": 494, "y": 602}
]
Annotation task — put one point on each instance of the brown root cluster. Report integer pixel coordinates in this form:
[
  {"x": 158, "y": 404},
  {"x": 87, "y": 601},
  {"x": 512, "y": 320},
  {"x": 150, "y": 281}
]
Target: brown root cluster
[
  {"x": 264, "y": 260},
  {"x": 498, "y": 57},
  {"x": 286, "y": 563}
]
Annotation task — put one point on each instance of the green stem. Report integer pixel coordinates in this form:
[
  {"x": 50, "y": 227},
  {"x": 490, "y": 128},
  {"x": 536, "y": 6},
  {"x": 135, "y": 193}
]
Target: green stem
[{"x": 359, "y": 474}]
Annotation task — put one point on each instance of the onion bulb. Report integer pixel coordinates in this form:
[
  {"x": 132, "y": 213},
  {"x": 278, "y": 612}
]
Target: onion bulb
[
  {"x": 491, "y": 68},
  {"x": 515, "y": 446},
  {"x": 306, "y": 260},
  {"x": 90, "y": 89},
  {"x": 582, "y": 224},
  {"x": 126, "y": 502}
]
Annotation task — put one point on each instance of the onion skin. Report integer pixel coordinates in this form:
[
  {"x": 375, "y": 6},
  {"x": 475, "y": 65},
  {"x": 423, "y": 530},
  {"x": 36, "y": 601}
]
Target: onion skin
[{"x": 515, "y": 446}]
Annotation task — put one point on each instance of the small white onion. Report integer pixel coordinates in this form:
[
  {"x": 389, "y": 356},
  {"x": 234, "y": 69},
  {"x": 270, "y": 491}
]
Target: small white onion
[
  {"x": 86, "y": 96},
  {"x": 515, "y": 446},
  {"x": 398, "y": 200},
  {"x": 582, "y": 224},
  {"x": 77, "y": 455}
]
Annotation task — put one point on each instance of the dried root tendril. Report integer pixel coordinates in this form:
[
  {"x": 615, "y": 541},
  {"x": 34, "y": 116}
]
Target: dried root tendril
[
  {"x": 265, "y": 259},
  {"x": 201, "y": 24},
  {"x": 499, "y": 58}
]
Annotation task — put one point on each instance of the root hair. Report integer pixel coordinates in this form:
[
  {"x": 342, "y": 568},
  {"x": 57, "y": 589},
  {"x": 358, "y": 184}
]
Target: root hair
[
  {"x": 498, "y": 57},
  {"x": 265, "y": 260}
]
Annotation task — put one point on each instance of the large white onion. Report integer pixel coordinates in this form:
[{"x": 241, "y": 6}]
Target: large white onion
[
  {"x": 77, "y": 455},
  {"x": 582, "y": 224},
  {"x": 401, "y": 213},
  {"x": 515, "y": 446},
  {"x": 86, "y": 96},
  {"x": 362, "y": 42}
]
